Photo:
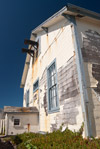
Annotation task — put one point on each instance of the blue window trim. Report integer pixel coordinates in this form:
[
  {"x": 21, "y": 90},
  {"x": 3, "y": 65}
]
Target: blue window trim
[
  {"x": 28, "y": 92},
  {"x": 37, "y": 87},
  {"x": 57, "y": 108}
]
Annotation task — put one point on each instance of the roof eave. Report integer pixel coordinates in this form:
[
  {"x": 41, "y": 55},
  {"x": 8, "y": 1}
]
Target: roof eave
[
  {"x": 71, "y": 10},
  {"x": 25, "y": 71},
  {"x": 57, "y": 14},
  {"x": 21, "y": 112},
  {"x": 83, "y": 11}
]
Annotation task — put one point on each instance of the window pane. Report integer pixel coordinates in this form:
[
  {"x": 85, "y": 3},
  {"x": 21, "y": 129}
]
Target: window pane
[
  {"x": 54, "y": 102},
  {"x": 52, "y": 87},
  {"x": 36, "y": 85},
  {"x": 54, "y": 69},
  {"x": 27, "y": 98},
  {"x": 51, "y": 103},
  {"x": 16, "y": 121},
  {"x": 55, "y": 91},
  {"x": 52, "y": 80},
  {"x": 50, "y": 71},
  {"x": 50, "y": 96}
]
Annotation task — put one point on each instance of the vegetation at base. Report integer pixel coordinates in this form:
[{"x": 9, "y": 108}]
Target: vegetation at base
[{"x": 55, "y": 140}]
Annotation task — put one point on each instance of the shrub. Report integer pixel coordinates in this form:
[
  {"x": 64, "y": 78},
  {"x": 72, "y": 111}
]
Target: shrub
[
  {"x": 56, "y": 140},
  {"x": 16, "y": 139},
  {"x": 29, "y": 145}
]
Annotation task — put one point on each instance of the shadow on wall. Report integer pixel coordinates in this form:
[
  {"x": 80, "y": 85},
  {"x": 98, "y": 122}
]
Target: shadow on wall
[{"x": 91, "y": 55}]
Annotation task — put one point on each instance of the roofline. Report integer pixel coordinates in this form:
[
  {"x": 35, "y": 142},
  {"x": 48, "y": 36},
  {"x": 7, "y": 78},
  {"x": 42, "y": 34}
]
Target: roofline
[
  {"x": 69, "y": 9},
  {"x": 83, "y": 11},
  {"x": 25, "y": 71},
  {"x": 50, "y": 18},
  {"x": 7, "y": 109},
  {"x": 21, "y": 112}
]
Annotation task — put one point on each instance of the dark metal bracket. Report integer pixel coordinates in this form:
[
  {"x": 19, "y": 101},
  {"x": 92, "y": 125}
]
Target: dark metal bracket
[
  {"x": 27, "y": 63},
  {"x": 32, "y": 43},
  {"x": 35, "y": 35},
  {"x": 30, "y": 52},
  {"x": 69, "y": 17},
  {"x": 45, "y": 29}
]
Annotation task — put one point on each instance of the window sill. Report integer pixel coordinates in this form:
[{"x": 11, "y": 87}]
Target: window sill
[
  {"x": 17, "y": 125},
  {"x": 53, "y": 111}
]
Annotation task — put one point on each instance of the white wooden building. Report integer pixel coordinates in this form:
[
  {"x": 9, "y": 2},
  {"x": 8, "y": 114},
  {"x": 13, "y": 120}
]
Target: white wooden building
[
  {"x": 2, "y": 121},
  {"x": 21, "y": 119},
  {"x": 17, "y": 120},
  {"x": 62, "y": 75}
]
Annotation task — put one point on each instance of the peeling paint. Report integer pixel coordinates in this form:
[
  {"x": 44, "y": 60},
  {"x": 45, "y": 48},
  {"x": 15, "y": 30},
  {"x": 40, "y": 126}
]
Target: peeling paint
[
  {"x": 36, "y": 99},
  {"x": 91, "y": 57},
  {"x": 69, "y": 96},
  {"x": 35, "y": 70},
  {"x": 45, "y": 103},
  {"x": 91, "y": 53}
]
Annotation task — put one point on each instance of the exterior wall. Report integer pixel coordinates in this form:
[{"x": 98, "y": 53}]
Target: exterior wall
[
  {"x": 2, "y": 127},
  {"x": 58, "y": 44},
  {"x": 89, "y": 35},
  {"x": 1, "y": 121},
  {"x": 28, "y": 86},
  {"x": 25, "y": 119}
]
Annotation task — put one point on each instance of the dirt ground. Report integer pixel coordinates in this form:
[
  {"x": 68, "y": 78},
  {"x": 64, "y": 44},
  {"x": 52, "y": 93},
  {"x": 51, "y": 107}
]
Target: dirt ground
[{"x": 6, "y": 145}]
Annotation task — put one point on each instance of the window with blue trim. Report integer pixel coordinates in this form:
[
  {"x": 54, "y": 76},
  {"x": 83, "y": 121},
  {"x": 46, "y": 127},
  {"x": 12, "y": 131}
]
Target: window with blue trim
[
  {"x": 27, "y": 98},
  {"x": 36, "y": 85},
  {"x": 52, "y": 87}
]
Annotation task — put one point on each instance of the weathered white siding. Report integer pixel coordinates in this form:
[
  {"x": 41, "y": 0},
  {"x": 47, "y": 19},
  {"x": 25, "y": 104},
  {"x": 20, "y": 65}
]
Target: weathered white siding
[
  {"x": 58, "y": 44},
  {"x": 28, "y": 86},
  {"x": 1, "y": 120},
  {"x": 89, "y": 36},
  {"x": 25, "y": 119}
]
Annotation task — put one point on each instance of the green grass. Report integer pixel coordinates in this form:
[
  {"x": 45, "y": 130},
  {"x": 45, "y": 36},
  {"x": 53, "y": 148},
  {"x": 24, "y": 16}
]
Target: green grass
[{"x": 55, "y": 140}]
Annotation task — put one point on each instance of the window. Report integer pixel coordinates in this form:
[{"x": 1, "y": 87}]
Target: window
[
  {"x": 52, "y": 87},
  {"x": 38, "y": 50},
  {"x": 36, "y": 85},
  {"x": 27, "y": 98},
  {"x": 16, "y": 122}
]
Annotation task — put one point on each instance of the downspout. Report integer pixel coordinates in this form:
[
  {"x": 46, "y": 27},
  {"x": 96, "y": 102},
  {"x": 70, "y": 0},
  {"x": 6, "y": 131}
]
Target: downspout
[{"x": 81, "y": 75}]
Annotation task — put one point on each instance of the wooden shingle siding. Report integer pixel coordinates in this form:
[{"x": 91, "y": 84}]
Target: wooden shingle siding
[
  {"x": 67, "y": 81},
  {"x": 69, "y": 96},
  {"x": 89, "y": 34},
  {"x": 91, "y": 54},
  {"x": 91, "y": 47}
]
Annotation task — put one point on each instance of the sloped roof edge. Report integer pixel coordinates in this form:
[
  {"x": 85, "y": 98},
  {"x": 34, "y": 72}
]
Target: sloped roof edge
[
  {"x": 26, "y": 66},
  {"x": 69, "y": 8},
  {"x": 12, "y": 109}
]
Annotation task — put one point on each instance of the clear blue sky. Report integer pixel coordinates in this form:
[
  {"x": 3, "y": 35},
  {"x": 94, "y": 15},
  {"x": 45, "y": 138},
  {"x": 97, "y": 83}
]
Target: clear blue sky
[{"x": 17, "y": 19}]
